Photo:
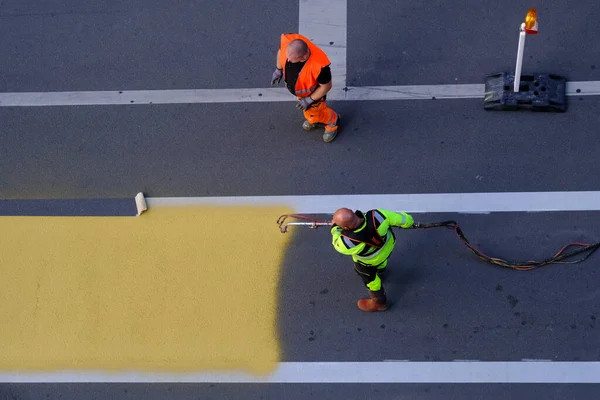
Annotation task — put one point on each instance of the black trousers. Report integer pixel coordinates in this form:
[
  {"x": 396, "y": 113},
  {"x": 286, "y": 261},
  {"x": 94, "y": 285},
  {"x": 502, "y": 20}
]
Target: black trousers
[{"x": 368, "y": 273}]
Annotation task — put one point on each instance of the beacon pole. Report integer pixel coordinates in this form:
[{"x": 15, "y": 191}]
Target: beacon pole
[
  {"x": 529, "y": 26},
  {"x": 520, "y": 50}
]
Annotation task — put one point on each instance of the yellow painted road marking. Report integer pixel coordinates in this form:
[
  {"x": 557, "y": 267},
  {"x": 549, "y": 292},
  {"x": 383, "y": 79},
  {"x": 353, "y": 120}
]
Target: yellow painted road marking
[{"x": 177, "y": 289}]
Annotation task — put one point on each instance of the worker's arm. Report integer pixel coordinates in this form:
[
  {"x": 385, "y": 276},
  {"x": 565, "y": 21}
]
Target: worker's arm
[
  {"x": 324, "y": 84},
  {"x": 321, "y": 91},
  {"x": 401, "y": 219},
  {"x": 277, "y": 63},
  {"x": 344, "y": 246},
  {"x": 278, "y": 73}
]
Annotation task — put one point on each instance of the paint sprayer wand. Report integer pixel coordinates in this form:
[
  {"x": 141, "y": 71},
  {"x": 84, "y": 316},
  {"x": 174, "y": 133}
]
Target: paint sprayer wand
[{"x": 302, "y": 220}]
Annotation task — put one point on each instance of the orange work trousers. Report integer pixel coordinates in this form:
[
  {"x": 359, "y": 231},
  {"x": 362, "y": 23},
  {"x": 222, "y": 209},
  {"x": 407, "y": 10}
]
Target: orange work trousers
[{"x": 319, "y": 113}]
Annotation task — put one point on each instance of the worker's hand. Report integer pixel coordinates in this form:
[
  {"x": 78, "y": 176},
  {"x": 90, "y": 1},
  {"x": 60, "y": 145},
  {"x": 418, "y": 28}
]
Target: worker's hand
[
  {"x": 304, "y": 103},
  {"x": 276, "y": 77}
]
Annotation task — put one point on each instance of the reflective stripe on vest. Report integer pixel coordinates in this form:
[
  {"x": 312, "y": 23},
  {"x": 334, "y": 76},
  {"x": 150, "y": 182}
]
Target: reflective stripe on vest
[
  {"x": 403, "y": 220},
  {"x": 305, "y": 91},
  {"x": 349, "y": 243}
]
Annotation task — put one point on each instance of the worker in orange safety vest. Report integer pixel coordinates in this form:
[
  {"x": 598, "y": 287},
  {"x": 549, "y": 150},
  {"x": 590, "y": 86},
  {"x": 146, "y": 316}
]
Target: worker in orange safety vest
[{"x": 305, "y": 70}]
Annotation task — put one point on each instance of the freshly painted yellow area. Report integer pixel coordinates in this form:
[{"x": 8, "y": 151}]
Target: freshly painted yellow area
[{"x": 176, "y": 289}]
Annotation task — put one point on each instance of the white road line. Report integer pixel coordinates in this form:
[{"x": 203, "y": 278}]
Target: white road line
[
  {"x": 583, "y": 88},
  {"x": 465, "y": 91},
  {"x": 351, "y": 372},
  {"x": 325, "y": 24},
  {"x": 258, "y": 95},
  {"x": 145, "y": 97},
  {"x": 419, "y": 92},
  {"x": 416, "y": 203}
]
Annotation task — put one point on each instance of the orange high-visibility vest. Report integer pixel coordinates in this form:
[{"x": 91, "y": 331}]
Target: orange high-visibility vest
[{"x": 307, "y": 80}]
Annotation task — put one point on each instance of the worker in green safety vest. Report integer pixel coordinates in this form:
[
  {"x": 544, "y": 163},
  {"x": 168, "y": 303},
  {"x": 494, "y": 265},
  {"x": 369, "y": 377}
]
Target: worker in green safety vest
[{"x": 369, "y": 239}]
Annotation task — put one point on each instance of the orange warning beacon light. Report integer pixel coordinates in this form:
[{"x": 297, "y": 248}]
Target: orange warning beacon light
[{"x": 531, "y": 26}]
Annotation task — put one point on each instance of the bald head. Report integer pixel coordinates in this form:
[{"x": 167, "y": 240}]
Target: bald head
[
  {"x": 347, "y": 219},
  {"x": 297, "y": 51}
]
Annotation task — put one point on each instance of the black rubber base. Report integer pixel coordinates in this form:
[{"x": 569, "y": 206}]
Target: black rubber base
[{"x": 537, "y": 92}]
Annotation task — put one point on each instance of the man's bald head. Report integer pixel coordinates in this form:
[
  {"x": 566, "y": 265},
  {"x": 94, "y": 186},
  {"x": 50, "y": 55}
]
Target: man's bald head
[
  {"x": 347, "y": 219},
  {"x": 297, "y": 51}
]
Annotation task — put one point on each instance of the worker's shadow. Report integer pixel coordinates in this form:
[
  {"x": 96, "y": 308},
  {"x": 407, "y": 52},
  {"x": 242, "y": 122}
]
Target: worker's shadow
[
  {"x": 403, "y": 278},
  {"x": 347, "y": 111}
]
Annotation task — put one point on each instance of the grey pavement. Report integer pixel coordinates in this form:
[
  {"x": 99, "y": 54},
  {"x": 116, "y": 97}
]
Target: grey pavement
[
  {"x": 426, "y": 146},
  {"x": 404, "y": 43},
  {"x": 297, "y": 391},
  {"x": 65, "y": 45},
  {"x": 447, "y": 304},
  {"x": 68, "y": 207}
]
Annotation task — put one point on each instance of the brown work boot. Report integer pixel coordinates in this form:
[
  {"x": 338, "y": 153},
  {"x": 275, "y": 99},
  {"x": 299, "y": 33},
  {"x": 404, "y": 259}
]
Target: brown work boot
[{"x": 377, "y": 302}]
